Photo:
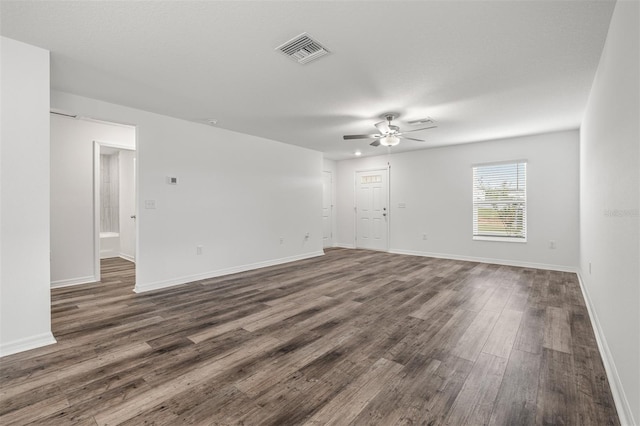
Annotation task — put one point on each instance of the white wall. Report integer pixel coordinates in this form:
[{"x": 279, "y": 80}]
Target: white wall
[
  {"x": 25, "y": 312},
  {"x": 237, "y": 195},
  {"x": 72, "y": 218},
  {"x": 436, "y": 187},
  {"x": 609, "y": 206}
]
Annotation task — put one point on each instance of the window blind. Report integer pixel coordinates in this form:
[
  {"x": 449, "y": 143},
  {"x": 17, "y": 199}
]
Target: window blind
[{"x": 500, "y": 201}]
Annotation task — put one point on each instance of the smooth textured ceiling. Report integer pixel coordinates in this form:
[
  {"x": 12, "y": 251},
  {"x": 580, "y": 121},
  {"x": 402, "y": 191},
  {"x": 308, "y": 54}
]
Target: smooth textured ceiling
[{"x": 482, "y": 69}]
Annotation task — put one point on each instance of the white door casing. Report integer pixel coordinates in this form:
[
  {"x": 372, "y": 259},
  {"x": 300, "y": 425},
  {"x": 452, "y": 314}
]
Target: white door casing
[
  {"x": 127, "y": 205},
  {"x": 372, "y": 212},
  {"x": 327, "y": 209}
]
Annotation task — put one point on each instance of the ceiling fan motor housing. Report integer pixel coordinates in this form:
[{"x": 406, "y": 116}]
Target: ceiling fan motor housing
[
  {"x": 390, "y": 116},
  {"x": 388, "y": 134}
]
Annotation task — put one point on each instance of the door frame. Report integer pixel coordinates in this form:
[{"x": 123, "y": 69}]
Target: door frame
[
  {"x": 331, "y": 217},
  {"x": 97, "y": 144},
  {"x": 386, "y": 169}
]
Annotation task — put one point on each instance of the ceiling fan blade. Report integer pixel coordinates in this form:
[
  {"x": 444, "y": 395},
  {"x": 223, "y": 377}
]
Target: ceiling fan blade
[
  {"x": 375, "y": 143},
  {"x": 417, "y": 130},
  {"x": 383, "y": 127},
  {"x": 346, "y": 137},
  {"x": 412, "y": 139}
]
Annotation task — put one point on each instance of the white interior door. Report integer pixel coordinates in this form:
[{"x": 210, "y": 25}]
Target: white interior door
[
  {"x": 372, "y": 213},
  {"x": 128, "y": 204},
  {"x": 327, "y": 210}
]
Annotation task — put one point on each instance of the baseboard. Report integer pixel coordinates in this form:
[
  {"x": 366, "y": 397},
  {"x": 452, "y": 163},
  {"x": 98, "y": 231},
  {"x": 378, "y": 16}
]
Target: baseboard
[
  {"x": 108, "y": 254},
  {"x": 127, "y": 257},
  {"x": 347, "y": 246},
  {"x": 73, "y": 281},
  {"x": 27, "y": 343},
  {"x": 617, "y": 390},
  {"x": 561, "y": 268},
  {"x": 218, "y": 273}
]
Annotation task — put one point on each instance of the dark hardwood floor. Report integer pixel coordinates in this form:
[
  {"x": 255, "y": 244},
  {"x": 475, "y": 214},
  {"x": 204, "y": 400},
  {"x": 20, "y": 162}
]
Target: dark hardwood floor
[{"x": 352, "y": 338}]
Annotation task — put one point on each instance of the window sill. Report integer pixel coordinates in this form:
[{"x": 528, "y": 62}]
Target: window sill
[{"x": 500, "y": 239}]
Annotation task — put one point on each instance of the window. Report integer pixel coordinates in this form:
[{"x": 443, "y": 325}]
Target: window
[
  {"x": 500, "y": 202},
  {"x": 371, "y": 179}
]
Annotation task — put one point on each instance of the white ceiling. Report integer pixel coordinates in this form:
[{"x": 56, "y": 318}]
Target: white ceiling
[{"x": 482, "y": 69}]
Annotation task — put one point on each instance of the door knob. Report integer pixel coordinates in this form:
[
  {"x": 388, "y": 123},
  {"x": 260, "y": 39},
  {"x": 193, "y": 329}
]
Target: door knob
[{"x": 133, "y": 216}]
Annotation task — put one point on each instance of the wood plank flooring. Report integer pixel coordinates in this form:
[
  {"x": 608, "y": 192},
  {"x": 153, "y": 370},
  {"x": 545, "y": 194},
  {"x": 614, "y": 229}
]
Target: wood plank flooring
[{"x": 354, "y": 337}]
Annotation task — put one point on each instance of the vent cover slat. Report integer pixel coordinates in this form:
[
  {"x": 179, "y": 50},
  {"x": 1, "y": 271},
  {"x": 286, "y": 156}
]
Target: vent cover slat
[{"x": 303, "y": 49}]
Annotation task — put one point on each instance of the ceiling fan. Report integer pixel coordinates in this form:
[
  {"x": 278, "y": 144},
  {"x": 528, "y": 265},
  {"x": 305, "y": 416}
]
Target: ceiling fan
[{"x": 389, "y": 135}]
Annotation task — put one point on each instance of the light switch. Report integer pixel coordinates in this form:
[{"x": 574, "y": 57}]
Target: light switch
[
  {"x": 149, "y": 204},
  {"x": 172, "y": 180},
  {"x": 402, "y": 205}
]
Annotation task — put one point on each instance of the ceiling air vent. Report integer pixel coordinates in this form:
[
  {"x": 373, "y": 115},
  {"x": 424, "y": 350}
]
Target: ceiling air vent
[
  {"x": 303, "y": 49},
  {"x": 426, "y": 120}
]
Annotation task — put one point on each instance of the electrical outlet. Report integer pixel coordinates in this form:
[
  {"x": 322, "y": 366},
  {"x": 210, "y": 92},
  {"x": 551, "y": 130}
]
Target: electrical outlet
[
  {"x": 552, "y": 244},
  {"x": 306, "y": 236},
  {"x": 281, "y": 240},
  {"x": 199, "y": 250},
  {"x": 424, "y": 237}
]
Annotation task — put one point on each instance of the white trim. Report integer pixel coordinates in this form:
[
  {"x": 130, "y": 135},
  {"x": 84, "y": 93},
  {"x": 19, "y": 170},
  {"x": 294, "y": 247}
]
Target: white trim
[
  {"x": 625, "y": 415},
  {"x": 96, "y": 210},
  {"x": 220, "y": 272},
  {"x": 111, "y": 254},
  {"x": 331, "y": 204},
  {"x": 550, "y": 267},
  {"x": 108, "y": 254},
  {"x": 346, "y": 246},
  {"x": 500, "y": 163},
  {"x": 27, "y": 343},
  {"x": 111, "y": 123},
  {"x": 500, "y": 239},
  {"x": 127, "y": 257},
  {"x": 111, "y": 144},
  {"x": 74, "y": 281}
]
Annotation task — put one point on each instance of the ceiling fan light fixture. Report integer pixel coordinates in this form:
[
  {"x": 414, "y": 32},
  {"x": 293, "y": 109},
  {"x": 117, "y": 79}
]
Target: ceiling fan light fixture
[{"x": 390, "y": 140}]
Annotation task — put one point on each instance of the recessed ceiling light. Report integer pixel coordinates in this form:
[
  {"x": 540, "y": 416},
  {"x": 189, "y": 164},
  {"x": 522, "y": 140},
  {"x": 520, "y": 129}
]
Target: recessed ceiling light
[{"x": 358, "y": 153}]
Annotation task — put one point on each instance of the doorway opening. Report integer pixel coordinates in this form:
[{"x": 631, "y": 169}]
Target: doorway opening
[
  {"x": 327, "y": 209},
  {"x": 114, "y": 204},
  {"x": 75, "y": 194}
]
